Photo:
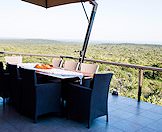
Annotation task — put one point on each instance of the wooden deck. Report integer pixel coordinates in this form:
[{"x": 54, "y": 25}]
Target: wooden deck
[{"x": 125, "y": 115}]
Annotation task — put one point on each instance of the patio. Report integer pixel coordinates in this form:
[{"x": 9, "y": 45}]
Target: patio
[{"x": 125, "y": 114}]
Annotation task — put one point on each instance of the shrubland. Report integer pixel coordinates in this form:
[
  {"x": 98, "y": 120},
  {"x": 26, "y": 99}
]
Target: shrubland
[{"x": 125, "y": 80}]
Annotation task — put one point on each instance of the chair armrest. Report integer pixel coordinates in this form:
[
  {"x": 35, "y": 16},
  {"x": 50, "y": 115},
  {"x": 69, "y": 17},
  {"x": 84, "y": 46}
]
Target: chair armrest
[
  {"x": 19, "y": 78},
  {"x": 87, "y": 77},
  {"x": 79, "y": 86},
  {"x": 6, "y": 76},
  {"x": 46, "y": 85},
  {"x": 6, "y": 73}
]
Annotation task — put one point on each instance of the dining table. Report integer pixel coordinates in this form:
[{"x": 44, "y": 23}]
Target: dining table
[{"x": 53, "y": 72}]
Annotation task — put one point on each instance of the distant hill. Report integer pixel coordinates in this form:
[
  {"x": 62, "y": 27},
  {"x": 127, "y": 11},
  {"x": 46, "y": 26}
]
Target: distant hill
[
  {"x": 36, "y": 41},
  {"x": 28, "y": 41},
  {"x": 47, "y": 41}
]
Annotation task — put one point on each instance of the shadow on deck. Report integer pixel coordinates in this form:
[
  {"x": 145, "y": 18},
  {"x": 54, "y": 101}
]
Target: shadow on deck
[{"x": 125, "y": 115}]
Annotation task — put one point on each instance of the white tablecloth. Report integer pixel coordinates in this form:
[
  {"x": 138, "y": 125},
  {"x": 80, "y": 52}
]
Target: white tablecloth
[{"x": 54, "y": 72}]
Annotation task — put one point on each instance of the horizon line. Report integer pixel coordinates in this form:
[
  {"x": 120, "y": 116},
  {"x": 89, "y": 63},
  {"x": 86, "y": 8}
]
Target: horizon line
[{"x": 90, "y": 41}]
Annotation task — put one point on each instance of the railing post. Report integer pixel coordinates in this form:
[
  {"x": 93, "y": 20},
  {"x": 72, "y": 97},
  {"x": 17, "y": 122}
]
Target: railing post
[{"x": 140, "y": 77}]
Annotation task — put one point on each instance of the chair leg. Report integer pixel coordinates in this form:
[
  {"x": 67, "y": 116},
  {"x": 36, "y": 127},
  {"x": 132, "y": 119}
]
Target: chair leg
[
  {"x": 35, "y": 119},
  {"x": 89, "y": 124},
  {"x": 64, "y": 109},
  {"x": 67, "y": 112},
  {"x": 4, "y": 102},
  {"x": 107, "y": 118}
]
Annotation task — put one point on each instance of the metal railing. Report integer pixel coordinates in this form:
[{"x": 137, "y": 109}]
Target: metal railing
[{"x": 140, "y": 68}]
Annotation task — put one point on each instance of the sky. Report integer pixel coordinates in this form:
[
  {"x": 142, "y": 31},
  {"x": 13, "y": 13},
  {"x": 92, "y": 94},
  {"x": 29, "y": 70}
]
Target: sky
[{"x": 131, "y": 21}]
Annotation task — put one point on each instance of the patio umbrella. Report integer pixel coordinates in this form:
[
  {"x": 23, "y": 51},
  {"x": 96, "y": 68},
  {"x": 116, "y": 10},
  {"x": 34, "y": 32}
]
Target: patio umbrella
[{"x": 52, "y": 3}]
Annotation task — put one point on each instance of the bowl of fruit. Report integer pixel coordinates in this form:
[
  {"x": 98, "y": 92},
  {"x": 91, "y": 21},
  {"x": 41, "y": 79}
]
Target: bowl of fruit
[{"x": 43, "y": 66}]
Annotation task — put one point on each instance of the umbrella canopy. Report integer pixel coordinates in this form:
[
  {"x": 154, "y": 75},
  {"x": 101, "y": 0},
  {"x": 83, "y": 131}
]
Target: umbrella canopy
[{"x": 51, "y": 3}]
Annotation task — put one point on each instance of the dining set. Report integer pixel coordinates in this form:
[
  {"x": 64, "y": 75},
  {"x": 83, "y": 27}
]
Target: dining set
[{"x": 67, "y": 88}]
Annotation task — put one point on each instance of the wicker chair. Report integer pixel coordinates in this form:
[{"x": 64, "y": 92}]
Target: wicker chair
[
  {"x": 13, "y": 59},
  {"x": 14, "y": 81},
  {"x": 4, "y": 84},
  {"x": 70, "y": 65},
  {"x": 39, "y": 99},
  {"x": 89, "y": 102},
  {"x": 57, "y": 62},
  {"x": 89, "y": 70}
]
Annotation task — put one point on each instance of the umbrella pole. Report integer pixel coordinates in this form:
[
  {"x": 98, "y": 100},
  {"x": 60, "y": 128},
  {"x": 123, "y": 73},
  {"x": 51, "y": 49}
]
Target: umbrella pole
[{"x": 89, "y": 29}]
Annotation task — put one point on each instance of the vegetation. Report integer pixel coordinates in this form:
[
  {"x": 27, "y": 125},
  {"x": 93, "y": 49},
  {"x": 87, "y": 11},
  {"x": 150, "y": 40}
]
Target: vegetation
[{"x": 125, "y": 80}]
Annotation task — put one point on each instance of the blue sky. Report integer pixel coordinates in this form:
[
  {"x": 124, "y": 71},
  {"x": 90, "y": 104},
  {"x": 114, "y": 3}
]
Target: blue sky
[{"x": 137, "y": 21}]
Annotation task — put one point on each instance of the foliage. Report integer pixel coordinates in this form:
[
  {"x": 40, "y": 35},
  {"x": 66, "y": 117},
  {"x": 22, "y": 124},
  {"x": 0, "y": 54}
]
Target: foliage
[{"x": 125, "y": 80}]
